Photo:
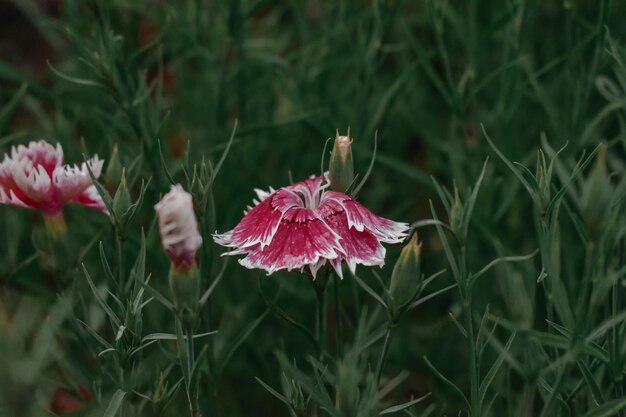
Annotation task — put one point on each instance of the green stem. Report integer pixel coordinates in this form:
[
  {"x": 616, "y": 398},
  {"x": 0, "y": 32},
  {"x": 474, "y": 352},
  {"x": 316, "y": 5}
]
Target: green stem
[
  {"x": 119, "y": 243},
  {"x": 383, "y": 353},
  {"x": 193, "y": 400},
  {"x": 339, "y": 335},
  {"x": 555, "y": 390},
  {"x": 320, "y": 323},
  {"x": 471, "y": 350}
]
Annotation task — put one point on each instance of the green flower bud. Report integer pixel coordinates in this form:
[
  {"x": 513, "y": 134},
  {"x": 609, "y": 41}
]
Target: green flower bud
[
  {"x": 121, "y": 200},
  {"x": 185, "y": 288},
  {"x": 113, "y": 174},
  {"x": 406, "y": 278},
  {"x": 596, "y": 197},
  {"x": 341, "y": 165},
  {"x": 543, "y": 182},
  {"x": 296, "y": 398},
  {"x": 456, "y": 215}
]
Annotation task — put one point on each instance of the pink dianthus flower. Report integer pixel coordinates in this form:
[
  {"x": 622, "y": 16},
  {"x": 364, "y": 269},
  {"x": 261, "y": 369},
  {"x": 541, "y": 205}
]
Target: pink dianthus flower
[
  {"x": 34, "y": 176},
  {"x": 303, "y": 225}
]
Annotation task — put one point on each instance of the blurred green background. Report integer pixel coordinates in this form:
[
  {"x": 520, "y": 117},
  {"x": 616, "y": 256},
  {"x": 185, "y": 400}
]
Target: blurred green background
[{"x": 422, "y": 75}]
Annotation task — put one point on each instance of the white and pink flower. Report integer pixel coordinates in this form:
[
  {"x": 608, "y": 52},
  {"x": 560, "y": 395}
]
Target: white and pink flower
[
  {"x": 34, "y": 176},
  {"x": 178, "y": 227},
  {"x": 303, "y": 225}
]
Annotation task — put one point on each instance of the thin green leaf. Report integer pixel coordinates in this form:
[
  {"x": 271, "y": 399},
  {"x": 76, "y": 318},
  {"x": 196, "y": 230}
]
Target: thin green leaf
[
  {"x": 511, "y": 166},
  {"x": 400, "y": 407},
  {"x": 446, "y": 381},
  {"x": 486, "y": 382},
  {"x": 238, "y": 341},
  {"x": 322, "y": 160},
  {"x": 157, "y": 295},
  {"x": 218, "y": 166},
  {"x": 590, "y": 380},
  {"x": 281, "y": 314},
  {"x": 369, "y": 290},
  {"x": 502, "y": 259},
  {"x": 114, "y": 404},
  {"x": 213, "y": 285},
  {"x": 7, "y": 109},
  {"x": 164, "y": 164},
  {"x": 185, "y": 365},
  {"x": 447, "y": 249},
  {"x": 356, "y": 190},
  {"x": 112, "y": 316},
  {"x": 170, "y": 336},
  {"x": 75, "y": 80},
  {"x": 272, "y": 391},
  {"x": 471, "y": 201},
  {"x": 608, "y": 409},
  {"x": 95, "y": 335}
]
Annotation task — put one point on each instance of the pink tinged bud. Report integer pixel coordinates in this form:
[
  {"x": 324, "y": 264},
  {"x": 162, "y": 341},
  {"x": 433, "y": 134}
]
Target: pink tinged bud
[
  {"x": 305, "y": 226},
  {"x": 34, "y": 176},
  {"x": 178, "y": 227},
  {"x": 341, "y": 165}
]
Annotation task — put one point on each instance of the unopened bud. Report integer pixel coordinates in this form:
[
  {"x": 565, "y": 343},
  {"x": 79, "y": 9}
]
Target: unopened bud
[
  {"x": 406, "y": 278},
  {"x": 178, "y": 227},
  {"x": 596, "y": 195},
  {"x": 121, "y": 199},
  {"x": 543, "y": 181},
  {"x": 341, "y": 165},
  {"x": 296, "y": 398},
  {"x": 456, "y": 215},
  {"x": 113, "y": 174}
]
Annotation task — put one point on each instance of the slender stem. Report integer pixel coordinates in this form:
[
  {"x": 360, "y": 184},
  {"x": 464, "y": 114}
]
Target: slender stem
[
  {"x": 615, "y": 307},
  {"x": 193, "y": 401},
  {"x": 471, "y": 350},
  {"x": 119, "y": 243},
  {"x": 338, "y": 335},
  {"x": 469, "y": 328},
  {"x": 383, "y": 353},
  {"x": 320, "y": 322},
  {"x": 556, "y": 387}
]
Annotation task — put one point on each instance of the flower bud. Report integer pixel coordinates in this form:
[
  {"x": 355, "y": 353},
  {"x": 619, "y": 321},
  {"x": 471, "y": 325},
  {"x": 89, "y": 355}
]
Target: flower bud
[
  {"x": 341, "y": 165},
  {"x": 113, "y": 174},
  {"x": 596, "y": 196},
  {"x": 121, "y": 200},
  {"x": 456, "y": 215},
  {"x": 544, "y": 182},
  {"x": 406, "y": 277},
  {"x": 298, "y": 403},
  {"x": 178, "y": 228}
]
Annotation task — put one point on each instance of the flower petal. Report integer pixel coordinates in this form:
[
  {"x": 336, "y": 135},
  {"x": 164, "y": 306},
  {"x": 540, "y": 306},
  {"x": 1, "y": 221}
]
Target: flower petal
[
  {"x": 9, "y": 197},
  {"x": 361, "y": 218},
  {"x": 90, "y": 198},
  {"x": 40, "y": 153},
  {"x": 261, "y": 222},
  {"x": 33, "y": 181},
  {"x": 359, "y": 246},
  {"x": 301, "y": 239},
  {"x": 70, "y": 181},
  {"x": 310, "y": 190}
]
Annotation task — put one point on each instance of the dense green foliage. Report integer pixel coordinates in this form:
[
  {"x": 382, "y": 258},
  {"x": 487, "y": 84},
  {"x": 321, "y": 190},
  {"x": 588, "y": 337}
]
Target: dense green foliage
[{"x": 500, "y": 136}]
